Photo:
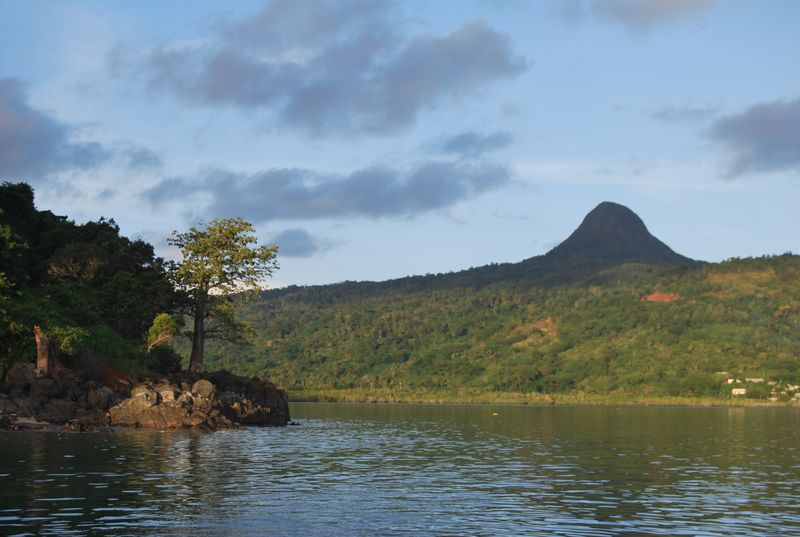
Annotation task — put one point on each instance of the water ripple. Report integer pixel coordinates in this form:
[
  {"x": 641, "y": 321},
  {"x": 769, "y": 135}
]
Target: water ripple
[{"x": 436, "y": 471}]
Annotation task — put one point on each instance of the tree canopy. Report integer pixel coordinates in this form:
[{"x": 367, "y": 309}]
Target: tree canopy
[
  {"x": 219, "y": 260},
  {"x": 91, "y": 289}
]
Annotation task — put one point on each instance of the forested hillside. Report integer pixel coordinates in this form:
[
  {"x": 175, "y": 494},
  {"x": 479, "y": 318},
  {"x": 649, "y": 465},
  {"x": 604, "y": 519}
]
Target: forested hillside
[
  {"x": 600, "y": 322},
  {"x": 612, "y": 310}
]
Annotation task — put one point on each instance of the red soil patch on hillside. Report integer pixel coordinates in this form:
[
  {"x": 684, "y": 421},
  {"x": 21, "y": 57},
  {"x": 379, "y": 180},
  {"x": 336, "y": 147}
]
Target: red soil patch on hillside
[
  {"x": 547, "y": 327},
  {"x": 661, "y": 297},
  {"x": 535, "y": 333}
]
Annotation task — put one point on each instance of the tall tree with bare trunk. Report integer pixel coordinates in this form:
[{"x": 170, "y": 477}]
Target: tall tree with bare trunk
[{"x": 220, "y": 260}]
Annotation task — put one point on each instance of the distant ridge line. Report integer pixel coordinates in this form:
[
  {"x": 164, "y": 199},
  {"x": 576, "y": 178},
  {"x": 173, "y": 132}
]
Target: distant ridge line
[{"x": 610, "y": 235}]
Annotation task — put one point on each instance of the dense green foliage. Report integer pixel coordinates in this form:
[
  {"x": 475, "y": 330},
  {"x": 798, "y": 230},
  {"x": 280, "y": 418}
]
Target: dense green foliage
[
  {"x": 93, "y": 291},
  {"x": 610, "y": 311},
  {"x": 597, "y": 335}
]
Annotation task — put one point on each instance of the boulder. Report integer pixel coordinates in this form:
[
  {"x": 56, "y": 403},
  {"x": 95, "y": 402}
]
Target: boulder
[
  {"x": 204, "y": 388},
  {"x": 131, "y": 411},
  {"x": 134, "y": 410},
  {"x": 20, "y": 377},
  {"x": 145, "y": 391},
  {"x": 43, "y": 389},
  {"x": 166, "y": 392},
  {"x": 177, "y": 414},
  {"x": 68, "y": 383},
  {"x": 7, "y": 406},
  {"x": 251, "y": 401},
  {"x": 100, "y": 398},
  {"x": 27, "y": 406},
  {"x": 58, "y": 410}
]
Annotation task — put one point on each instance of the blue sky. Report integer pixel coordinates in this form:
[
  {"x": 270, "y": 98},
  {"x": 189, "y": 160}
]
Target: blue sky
[{"x": 378, "y": 139}]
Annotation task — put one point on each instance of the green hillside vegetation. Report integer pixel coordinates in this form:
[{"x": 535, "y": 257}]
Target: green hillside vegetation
[
  {"x": 611, "y": 313},
  {"x": 636, "y": 329}
]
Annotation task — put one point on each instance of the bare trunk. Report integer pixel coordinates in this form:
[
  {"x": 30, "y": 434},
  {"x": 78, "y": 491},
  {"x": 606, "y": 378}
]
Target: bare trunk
[
  {"x": 199, "y": 336},
  {"x": 42, "y": 350}
]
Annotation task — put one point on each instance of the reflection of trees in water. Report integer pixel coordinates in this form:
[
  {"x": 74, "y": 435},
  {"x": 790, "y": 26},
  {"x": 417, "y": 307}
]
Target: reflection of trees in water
[
  {"x": 99, "y": 476},
  {"x": 129, "y": 477},
  {"x": 607, "y": 464},
  {"x": 195, "y": 477},
  {"x": 612, "y": 464},
  {"x": 588, "y": 464}
]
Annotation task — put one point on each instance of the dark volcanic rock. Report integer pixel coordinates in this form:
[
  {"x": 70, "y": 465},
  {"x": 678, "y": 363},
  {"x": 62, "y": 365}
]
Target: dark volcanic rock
[
  {"x": 19, "y": 378},
  {"x": 251, "y": 401},
  {"x": 58, "y": 410},
  {"x": 7, "y": 406},
  {"x": 27, "y": 406},
  {"x": 80, "y": 402},
  {"x": 157, "y": 407},
  {"x": 204, "y": 388},
  {"x": 211, "y": 401},
  {"x": 44, "y": 389},
  {"x": 100, "y": 398}
]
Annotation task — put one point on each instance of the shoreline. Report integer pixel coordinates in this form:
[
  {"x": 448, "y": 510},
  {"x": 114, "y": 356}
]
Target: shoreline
[
  {"x": 86, "y": 401},
  {"x": 523, "y": 399}
]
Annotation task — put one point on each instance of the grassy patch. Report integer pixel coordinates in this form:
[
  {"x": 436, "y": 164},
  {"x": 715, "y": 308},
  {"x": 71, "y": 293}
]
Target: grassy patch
[{"x": 518, "y": 398}]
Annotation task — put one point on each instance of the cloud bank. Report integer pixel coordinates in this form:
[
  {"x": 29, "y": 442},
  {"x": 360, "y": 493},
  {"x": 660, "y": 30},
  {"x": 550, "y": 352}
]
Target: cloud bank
[
  {"x": 137, "y": 157},
  {"x": 33, "y": 144},
  {"x": 471, "y": 144},
  {"x": 685, "y": 114},
  {"x": 299, "y": 194},
  {"x": 644, "y": 14},
  {"x": 326, "y": 67},
  {"x": 763, "y": 138},
  {"x": 636, "y": 15},
  {"x": 297, "y": 243}
]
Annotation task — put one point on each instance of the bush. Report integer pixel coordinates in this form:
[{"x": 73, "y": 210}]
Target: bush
[{"x": 164, "y": 360}]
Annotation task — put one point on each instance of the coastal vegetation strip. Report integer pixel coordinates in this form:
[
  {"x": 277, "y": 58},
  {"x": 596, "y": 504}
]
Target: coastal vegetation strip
[
  {"x": 522, "y": 398},
  {"x": 98, "y": 313}
]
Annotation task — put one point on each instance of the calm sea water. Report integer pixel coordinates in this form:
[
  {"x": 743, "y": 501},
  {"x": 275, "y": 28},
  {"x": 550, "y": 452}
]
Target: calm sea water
[{"x": 373, "y": 470}]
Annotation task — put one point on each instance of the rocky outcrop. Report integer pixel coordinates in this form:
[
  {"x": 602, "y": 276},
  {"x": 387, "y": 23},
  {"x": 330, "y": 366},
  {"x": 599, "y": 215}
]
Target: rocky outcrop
[
  {"x": 55, "y": 399},
  {"x": 208, "y": 401},
  {"x": 165, "y": 406},
  {"x": 250, "y": 401}
]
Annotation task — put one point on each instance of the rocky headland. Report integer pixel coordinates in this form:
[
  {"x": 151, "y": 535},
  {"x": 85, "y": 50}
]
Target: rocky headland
[{"x": 101, "y": 399}]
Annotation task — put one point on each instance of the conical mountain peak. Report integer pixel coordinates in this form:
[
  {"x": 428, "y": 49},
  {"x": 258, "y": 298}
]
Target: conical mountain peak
[{"x": 613, "y": 233}]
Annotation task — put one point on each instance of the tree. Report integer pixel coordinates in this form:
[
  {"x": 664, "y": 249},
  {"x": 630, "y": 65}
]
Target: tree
[
  {"x": 218, "y": 261},
  {"x": 161, "y": 331}
]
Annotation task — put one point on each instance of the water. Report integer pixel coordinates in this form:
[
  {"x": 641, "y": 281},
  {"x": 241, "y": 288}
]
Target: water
[{"x": 374, "y": 470}]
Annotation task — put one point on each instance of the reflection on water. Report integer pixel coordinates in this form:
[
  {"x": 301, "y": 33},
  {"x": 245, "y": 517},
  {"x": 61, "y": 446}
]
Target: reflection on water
[{"x": 367, "y": 470}]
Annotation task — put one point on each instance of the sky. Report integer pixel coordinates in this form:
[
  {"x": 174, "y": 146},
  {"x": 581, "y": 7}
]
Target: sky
[{"x": 375, "y": 139}]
